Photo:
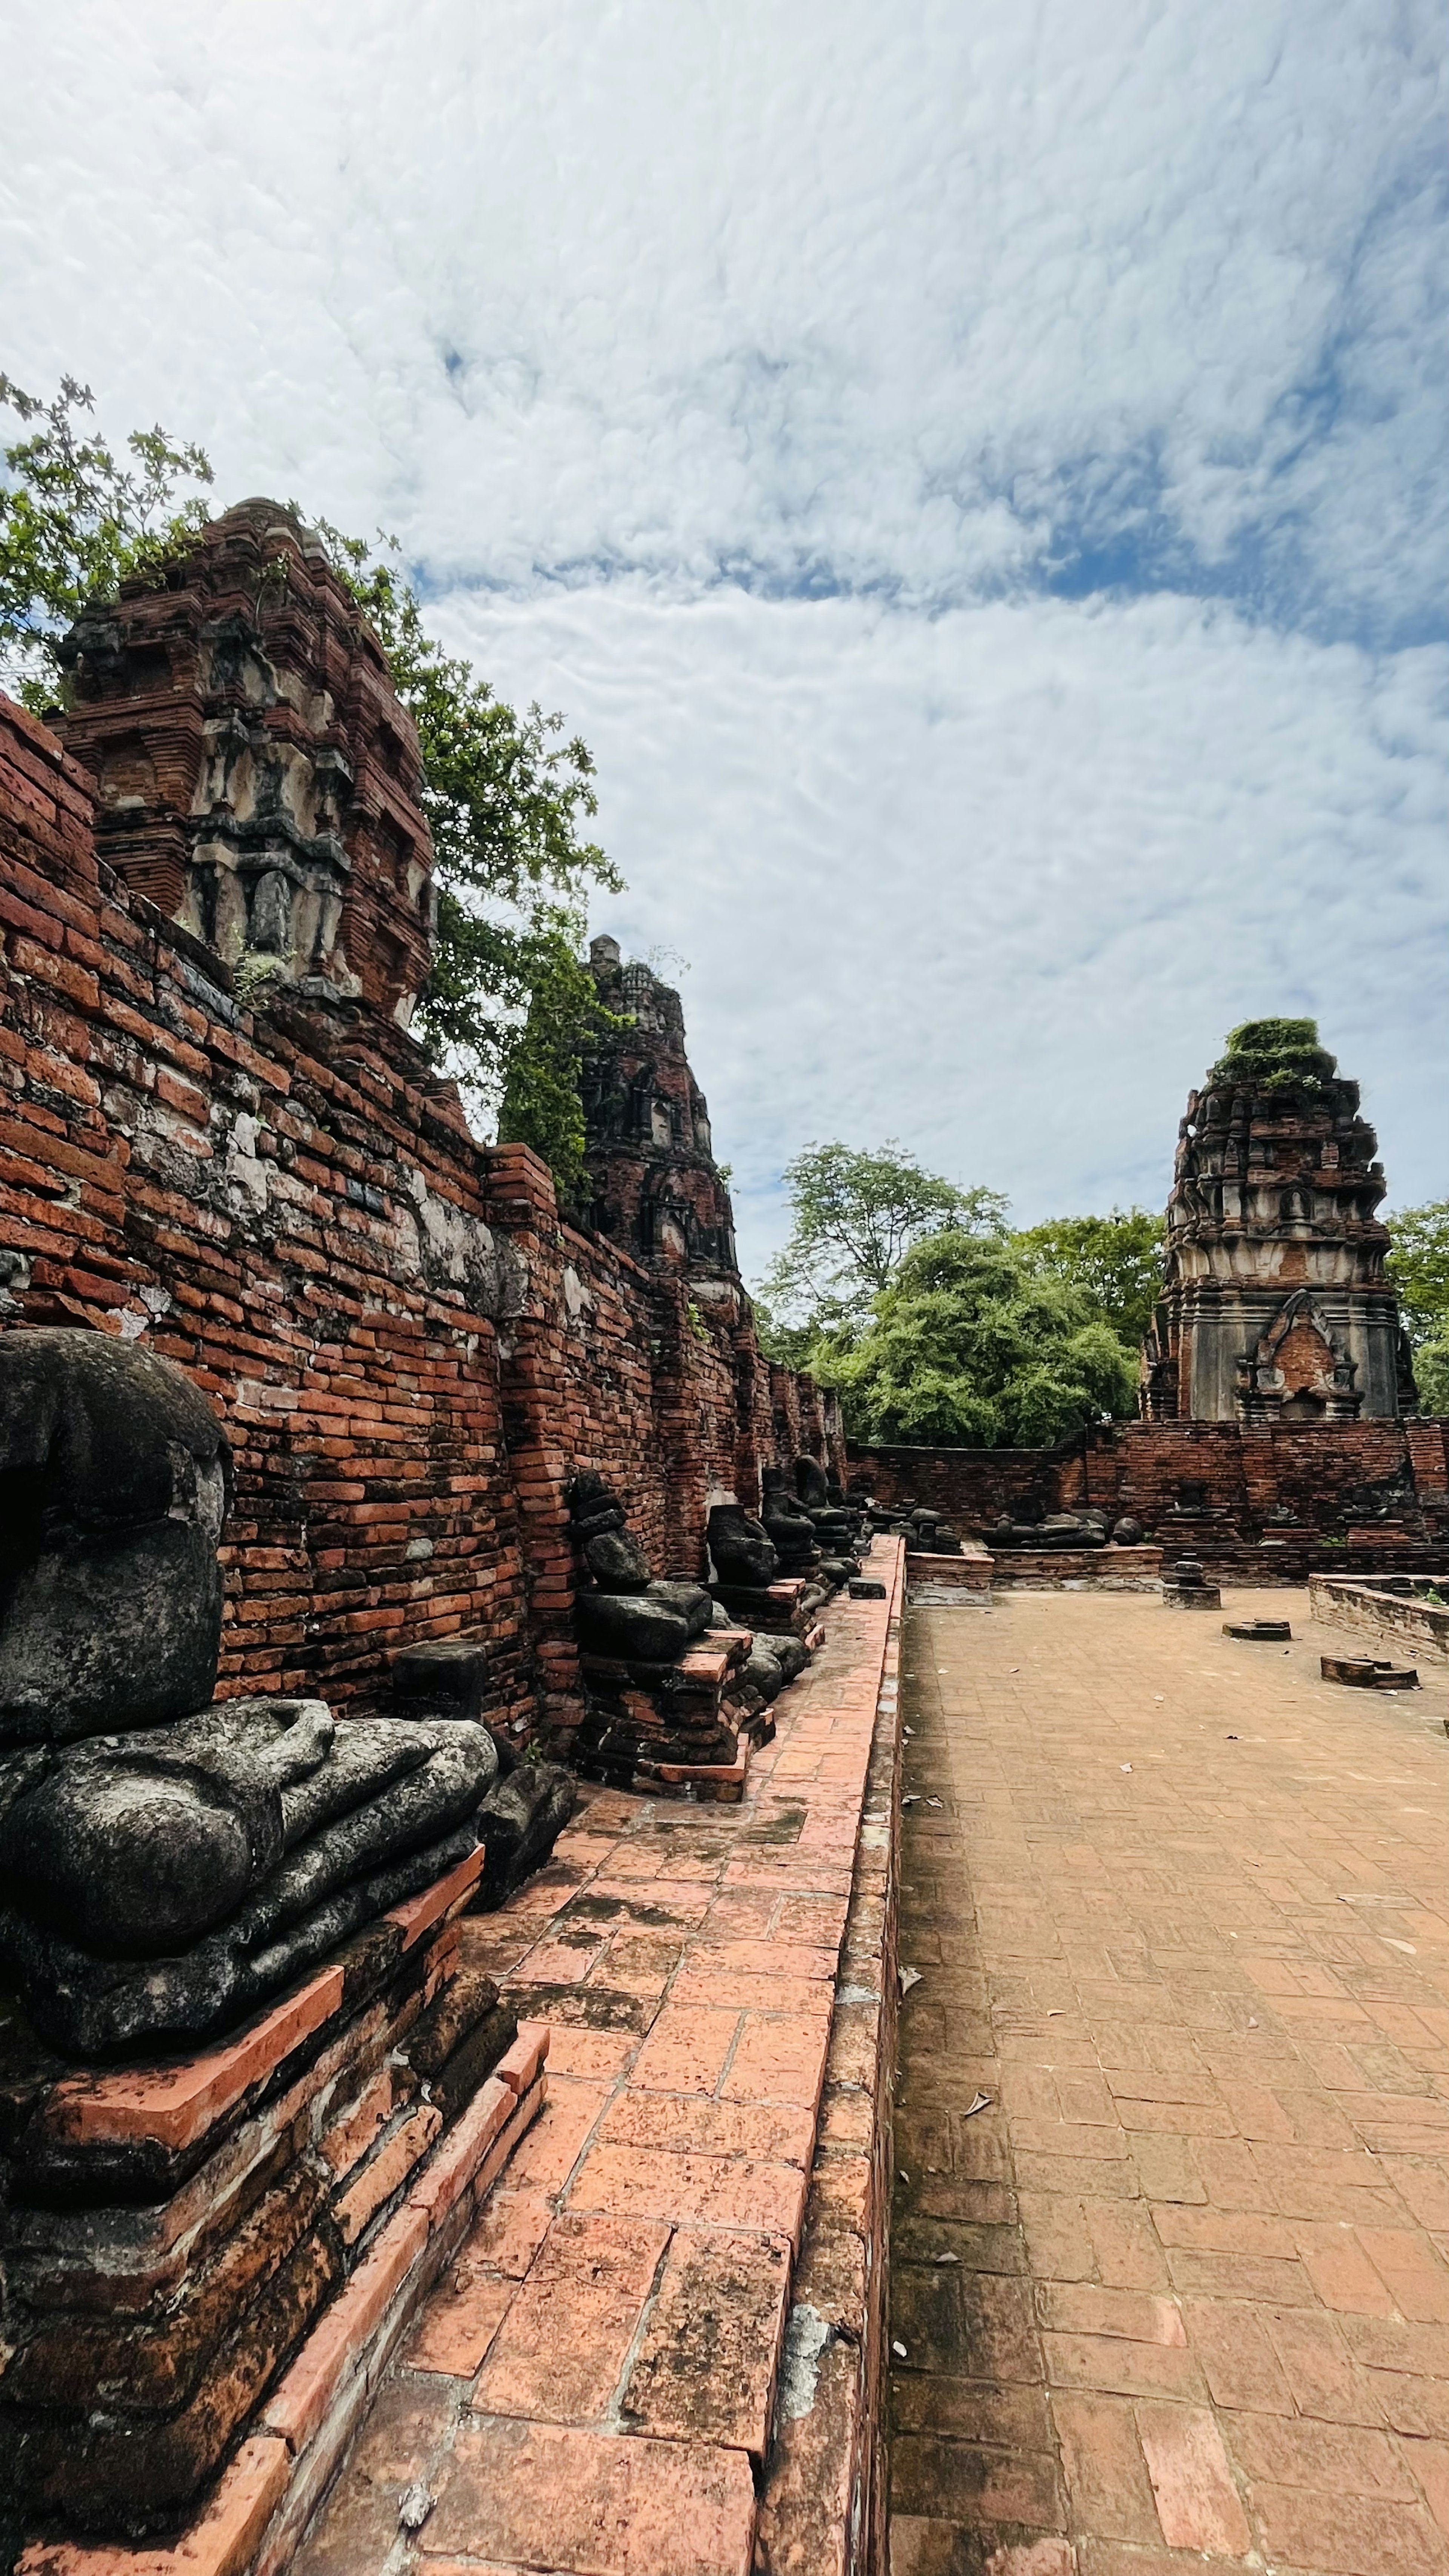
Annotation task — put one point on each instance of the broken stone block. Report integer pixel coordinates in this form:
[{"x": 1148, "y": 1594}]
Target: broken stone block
[
  {"x": 520, "y": 1820},
  {"x": 1186, "y": 1588},
  {"x": 447, "y": 1675},
  {"x": 1368, "y": 1672}
]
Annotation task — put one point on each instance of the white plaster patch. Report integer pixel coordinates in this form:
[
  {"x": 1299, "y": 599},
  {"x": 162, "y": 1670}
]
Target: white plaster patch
[{"x": 806, "y": 2336}]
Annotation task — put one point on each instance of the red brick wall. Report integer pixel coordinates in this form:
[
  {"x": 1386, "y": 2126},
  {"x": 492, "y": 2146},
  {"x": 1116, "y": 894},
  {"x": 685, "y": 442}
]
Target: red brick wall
[
  {"x": 410, "y": 1353},
  {"x": 1331, "y": 1476}
]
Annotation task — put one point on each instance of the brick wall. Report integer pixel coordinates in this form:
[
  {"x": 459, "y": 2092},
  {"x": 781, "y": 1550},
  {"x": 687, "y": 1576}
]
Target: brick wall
[
  {"x": 1332, "y": 1477},
  {"x": 410, "y": 1352}
]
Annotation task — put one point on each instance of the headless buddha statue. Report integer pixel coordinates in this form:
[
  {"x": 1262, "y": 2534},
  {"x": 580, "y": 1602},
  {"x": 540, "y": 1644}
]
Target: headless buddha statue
[{"x": 168, "y": 1863}]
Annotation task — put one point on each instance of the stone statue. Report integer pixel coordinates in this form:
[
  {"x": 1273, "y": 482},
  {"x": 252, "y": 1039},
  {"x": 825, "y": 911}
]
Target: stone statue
[
  {"x": 628, "y": 1615},
  {"x": 787, "y": 1524},
  {"x": 834, "y": 1525},
  {"x": 166, "y": 1864},
  {"x": 744, "y": 1557}
]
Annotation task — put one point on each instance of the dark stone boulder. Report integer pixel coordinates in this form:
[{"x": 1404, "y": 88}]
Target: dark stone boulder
[
  {"x": 631, "y": 1627},
  {"x": 114, "y": 1485},
  {"x": 520, "y": 1820},
  {"x": 617, "y": 1562},
  {"x": 1127, "y": 1532}
]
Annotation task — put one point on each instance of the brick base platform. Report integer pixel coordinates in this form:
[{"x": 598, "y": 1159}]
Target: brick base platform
[
  {"x": 269, "y": 2211},
  {"x": 660, "y": 2349}
]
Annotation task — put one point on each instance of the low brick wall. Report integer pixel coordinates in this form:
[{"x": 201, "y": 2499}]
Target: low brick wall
[
  {"x": 1399, "y": 1622},
  {"x": 1094, "y": 1569},
  {"x": 1334, "y": 1478}
]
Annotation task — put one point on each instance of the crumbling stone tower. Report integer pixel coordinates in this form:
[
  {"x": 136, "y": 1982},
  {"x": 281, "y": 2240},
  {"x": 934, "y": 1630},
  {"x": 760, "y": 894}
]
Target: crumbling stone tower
[
  {"x": 257, "y": 779},
  {"x": 657, "y": 1188},
  {"x": 1275, "y": 1307}
]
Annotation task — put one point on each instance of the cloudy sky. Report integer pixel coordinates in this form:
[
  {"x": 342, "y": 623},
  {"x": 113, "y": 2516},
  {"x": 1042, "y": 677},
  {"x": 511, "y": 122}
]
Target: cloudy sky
[{"x": 974, "y": 470}]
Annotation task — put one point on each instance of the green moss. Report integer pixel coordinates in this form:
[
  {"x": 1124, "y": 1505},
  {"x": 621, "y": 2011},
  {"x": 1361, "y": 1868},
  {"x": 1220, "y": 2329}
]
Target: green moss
[{"x": 1275, "y": 1055}]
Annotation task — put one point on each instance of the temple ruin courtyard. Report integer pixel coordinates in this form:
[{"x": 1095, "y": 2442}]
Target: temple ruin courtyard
[{"x": 1179, "y": 2292}]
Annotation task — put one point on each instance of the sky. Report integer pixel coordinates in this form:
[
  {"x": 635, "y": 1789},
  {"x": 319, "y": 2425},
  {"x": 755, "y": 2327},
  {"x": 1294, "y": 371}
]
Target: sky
[{"x": 973, "y": 470}]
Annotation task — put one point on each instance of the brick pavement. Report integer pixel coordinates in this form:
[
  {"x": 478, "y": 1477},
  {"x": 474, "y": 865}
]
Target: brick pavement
[
  {"x": 590, "y": 2391},
  {"x": 1180, "y": 2293}
]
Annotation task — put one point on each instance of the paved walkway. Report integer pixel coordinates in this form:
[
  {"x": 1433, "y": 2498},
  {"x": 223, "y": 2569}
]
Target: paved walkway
[
  {"x": 590, "y": 2389},
  {"x": 1181, "y": 2290}
]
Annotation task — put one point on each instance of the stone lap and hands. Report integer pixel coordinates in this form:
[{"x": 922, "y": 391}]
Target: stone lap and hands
[{"x": 162, "y": 1880}]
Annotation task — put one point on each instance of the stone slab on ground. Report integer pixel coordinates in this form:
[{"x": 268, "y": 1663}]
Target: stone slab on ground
[
  {"x": 1171, "y": 2233},
  {"x": 592, "y": 2386}
]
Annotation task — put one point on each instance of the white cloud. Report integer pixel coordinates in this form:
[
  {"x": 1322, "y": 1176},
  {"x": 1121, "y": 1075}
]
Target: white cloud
[
  {"x": 1000, "y": 881},
  {"x": 635, "y": 322},
  {"x": 785, "y": 289}
]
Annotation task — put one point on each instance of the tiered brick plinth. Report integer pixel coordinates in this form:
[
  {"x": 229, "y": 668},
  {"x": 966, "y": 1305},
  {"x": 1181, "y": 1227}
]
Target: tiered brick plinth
[
  {"x": 209, "y": 2261},
  {"x": 659, "y": 2349}
]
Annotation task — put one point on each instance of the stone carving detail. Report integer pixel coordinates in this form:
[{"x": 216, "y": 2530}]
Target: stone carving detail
[
  {"x": 258, "y": 779},
  {"x": 167, "y": 1865},
  {"x": 1275, "y": 1306},
  {"x": 787, "y": 1524},
  {"x": 628, "y": 1614}
]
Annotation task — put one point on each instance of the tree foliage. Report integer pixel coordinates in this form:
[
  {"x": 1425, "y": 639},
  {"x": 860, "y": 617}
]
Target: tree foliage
[
  {"x": 855, "y": 1214},
  {"x": 1418, "y": 1265},
  {"x": 937, "y": 1323},
  {"x": 972, "y": 1345},
  {"x": 509, "y": 797},
  {"x": 75, "y": 521},
  {"x": 1115, "y": 1261}
]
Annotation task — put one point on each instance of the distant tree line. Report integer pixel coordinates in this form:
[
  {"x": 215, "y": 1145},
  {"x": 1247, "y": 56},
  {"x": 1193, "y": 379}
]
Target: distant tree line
[{"x": 942, "y": 1325}]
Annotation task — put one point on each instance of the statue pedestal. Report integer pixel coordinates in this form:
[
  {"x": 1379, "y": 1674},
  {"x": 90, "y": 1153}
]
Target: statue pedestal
[
  {"x": 210, "y": 2258},
  {"x": 778, "y": 1609}
]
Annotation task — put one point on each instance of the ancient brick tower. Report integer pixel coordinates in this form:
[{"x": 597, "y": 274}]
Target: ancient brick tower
[
  {"x": 657, "y": 1187},
  {"x": 258, "y": 780},
  {"x": 1275, "y": 1307}
]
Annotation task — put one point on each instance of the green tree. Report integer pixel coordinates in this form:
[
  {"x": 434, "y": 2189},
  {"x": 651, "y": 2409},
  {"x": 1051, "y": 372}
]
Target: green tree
[
  {"x": 854, "y": 1215},
  {"x": 1418, "y": 1265},
  {"x": 1276, "y": 1055},
  {"x": 974, "y": 1346},
  {"x": 508, "y": 797},
  {"x": 1114, "y": 1261},
  {"x": 75, "y": 521}
]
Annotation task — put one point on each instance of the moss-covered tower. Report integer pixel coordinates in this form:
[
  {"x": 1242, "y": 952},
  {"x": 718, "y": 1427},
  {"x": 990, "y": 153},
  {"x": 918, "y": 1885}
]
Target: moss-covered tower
[{"x": 1275, "y": 1307}]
